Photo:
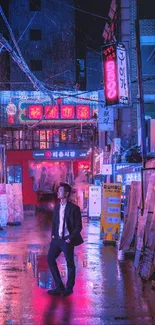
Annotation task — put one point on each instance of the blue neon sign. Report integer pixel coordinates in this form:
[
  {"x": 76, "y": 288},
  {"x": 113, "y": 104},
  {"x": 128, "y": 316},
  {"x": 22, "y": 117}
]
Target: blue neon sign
[{"x": 59, "y": 154}]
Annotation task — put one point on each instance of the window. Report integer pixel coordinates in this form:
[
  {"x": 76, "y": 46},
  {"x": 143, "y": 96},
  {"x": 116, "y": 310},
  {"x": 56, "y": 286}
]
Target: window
[
  {"x": 148, "y": 54},
  {"x": 36, "y": 65},
  {"x": 15, "y": 140},
  {"x": 14, "y": 174},
  {"x": 43, "y": 141},
  {"x": 35, "y": 5},
  {"x": 148, "y": 59},
  {"x": 9, "y": 140},
  {"x": 80, "y": 73},
  {"x": 25, "y": 139},
  {"x": 36, "y": 139},
  {"x": 35, "y": 34},
  {"x": 47, "y": 139}
]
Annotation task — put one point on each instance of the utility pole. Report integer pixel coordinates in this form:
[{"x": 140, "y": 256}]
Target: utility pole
[
  {"x": 140, "y": 87},
  {"x": 92, "y": 156}
]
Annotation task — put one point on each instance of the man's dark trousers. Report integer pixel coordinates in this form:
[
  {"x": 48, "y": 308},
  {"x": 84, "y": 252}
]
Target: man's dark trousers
[{"x": 56, "y": 247}]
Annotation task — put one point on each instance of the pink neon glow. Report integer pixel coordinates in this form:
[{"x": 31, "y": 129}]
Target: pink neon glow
[
  {"x": 35, "y": 112},
  {"x": 111, "y": 80},
  {"x": 48, "y": 154},
  {"x": 83, "y": 111},
  {"x": 67, "y": 112},
  {"x": 51, "y": 112}
]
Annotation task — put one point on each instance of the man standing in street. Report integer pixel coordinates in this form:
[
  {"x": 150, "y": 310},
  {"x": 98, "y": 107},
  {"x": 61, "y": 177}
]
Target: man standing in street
[{"x": 66, "y": 228}]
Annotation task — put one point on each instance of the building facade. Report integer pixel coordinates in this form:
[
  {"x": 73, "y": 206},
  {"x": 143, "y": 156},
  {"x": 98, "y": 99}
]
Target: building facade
[
  {"x": 47, "y": 143},
  {"x": 44, "y": 31},
  {"x": 128, "y": 121},
  {"x": 45, "y": 135}
]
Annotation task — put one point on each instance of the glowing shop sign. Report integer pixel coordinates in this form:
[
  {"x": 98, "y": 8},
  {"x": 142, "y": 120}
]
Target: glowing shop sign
[
  {"x": 45, "y": 113},
  {"x": 59, "y": 154},
  {"x": 67, "y": 112},
  {"x": 122, "y": 75},
  {"x": 110, "y": 75},
  {"x": 83, "y": 112},
  {"x": 51, "y": 112},
  {"x": 115, "y": 74},
  {"x": 35, "y": 112},
  {"x": 111, "y": 81}
]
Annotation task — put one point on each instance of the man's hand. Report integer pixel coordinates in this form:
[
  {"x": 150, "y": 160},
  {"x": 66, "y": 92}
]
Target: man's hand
[{"x": 67, "y": 241}]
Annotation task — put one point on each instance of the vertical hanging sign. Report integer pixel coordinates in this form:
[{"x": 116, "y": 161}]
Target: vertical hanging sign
[
  {"x": 105, "y": 115},
  {"x": 122, "y": 75},
  {"x": 110, "y": 74},
  {"x": 111, "y": 212},
  {"x": 115, "y": 74}
]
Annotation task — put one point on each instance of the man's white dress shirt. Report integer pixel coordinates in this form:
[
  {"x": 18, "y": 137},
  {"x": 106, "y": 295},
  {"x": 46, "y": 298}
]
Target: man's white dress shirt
[{"x": 61, "y": 220}]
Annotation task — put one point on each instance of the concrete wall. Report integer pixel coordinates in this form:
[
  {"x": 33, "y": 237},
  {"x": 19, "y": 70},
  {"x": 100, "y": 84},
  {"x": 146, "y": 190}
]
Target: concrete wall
[{"x": 128, "y": 115}]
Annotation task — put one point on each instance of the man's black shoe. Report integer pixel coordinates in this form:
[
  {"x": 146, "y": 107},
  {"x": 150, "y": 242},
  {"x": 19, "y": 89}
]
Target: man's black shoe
[
  {"x": 67, "y": 292},
  {"x": 56, "y": 291}
]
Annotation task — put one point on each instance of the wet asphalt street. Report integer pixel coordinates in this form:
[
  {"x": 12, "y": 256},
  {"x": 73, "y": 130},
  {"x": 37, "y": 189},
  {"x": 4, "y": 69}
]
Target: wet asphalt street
[{"x": 107, "y": 289}]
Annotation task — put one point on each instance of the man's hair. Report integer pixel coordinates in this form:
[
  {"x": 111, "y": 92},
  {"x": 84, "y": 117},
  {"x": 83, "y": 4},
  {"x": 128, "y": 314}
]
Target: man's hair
[{"x": 67, "y": 188}]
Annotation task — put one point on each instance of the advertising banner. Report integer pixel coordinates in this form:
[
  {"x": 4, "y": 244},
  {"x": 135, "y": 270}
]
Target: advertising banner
[
  {"x": 143, "y": 219},
  {"x": 111, "y": 212},
  {"x": 94, "y": 201},
  {"x": 107, "y": 169},
  {"x": 110, "y": 74},
  {"x": 3, "y": 206},
  {"x": 115, "y": 74},
  {"x": 14, "y": 202},
  {"x": 130, "y": 218},
  {"x": 105, "y": 114},
  {"x": 122, "y": 75}
]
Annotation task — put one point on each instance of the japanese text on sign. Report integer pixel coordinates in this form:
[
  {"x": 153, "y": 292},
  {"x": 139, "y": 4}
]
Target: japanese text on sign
[{"x": 122, "y": 75}]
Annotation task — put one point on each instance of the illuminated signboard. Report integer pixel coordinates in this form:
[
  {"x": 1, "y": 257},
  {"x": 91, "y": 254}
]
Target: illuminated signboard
[
  {"x": 83, "y": 111},
  {"x": 30, "y": 112},
  {"x": 35, "y": 112},
  {"x": 115, "y": 74},
  {"x": 122, "y": 76},
  {"x": 110, "y": 75},
  {"x": 67, "y": 112},
  {"x": 59, "y": 154},
  {"x": 51, "y": 112}
]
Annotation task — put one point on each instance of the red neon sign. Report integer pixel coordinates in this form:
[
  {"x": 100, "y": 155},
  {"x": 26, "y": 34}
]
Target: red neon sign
[
  {"x": 35, "y": 112},
  {"x": 11, "y": 119},
  {"x": 110, "y": 75},
  {"x": 48, "y": 154},
  {"x": 67, "y": 112},
  {"x": 83, "y": 112},
  {"x": 51, "y": 112},
  {"x": 111, "y": 80}
]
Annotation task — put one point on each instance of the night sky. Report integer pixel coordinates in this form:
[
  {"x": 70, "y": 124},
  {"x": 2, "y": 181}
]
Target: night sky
[
  {"x": 146, "y": 9},
  {"x": 90, "y": 28}
]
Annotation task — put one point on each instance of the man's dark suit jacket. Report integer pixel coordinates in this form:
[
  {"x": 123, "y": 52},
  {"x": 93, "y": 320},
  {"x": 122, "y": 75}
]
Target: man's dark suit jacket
[{"x": 73, "y": 220}]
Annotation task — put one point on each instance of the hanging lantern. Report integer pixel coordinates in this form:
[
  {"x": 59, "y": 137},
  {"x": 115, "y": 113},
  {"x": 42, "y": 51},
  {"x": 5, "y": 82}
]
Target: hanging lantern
[{"x": 11, "y": 110}]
